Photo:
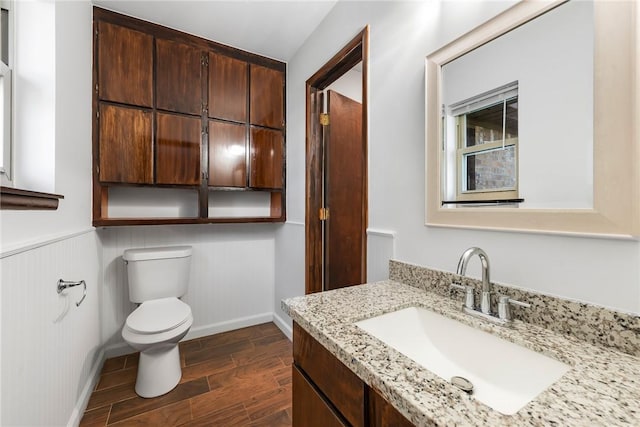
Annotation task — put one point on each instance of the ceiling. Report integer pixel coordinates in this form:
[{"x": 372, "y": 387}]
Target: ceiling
[{"x": 275, "y": 29}]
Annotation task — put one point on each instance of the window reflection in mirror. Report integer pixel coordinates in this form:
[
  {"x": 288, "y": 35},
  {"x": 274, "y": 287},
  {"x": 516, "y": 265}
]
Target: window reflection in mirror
[
  {"x": 518, "y": 115},
  {"x": 483, "y": 131}
]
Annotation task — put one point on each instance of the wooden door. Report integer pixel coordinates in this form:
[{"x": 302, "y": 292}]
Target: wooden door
[
  {"x": 345, "y": 186},
  {"x": 178, "y": 77},
  {"x": 125, "y": 63},
  {"x": 178, "y": 149}
]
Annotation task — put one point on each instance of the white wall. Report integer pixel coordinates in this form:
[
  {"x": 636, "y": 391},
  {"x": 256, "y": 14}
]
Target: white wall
[
  {"x": 349, "y": 84},
  {"x": 289, "y": 273},
  {"x": 231, "y": 283},
  {"x": 46, "y": 364},
  {"x": 600, "y": 271},
  {"x": 52, "y": 142}
]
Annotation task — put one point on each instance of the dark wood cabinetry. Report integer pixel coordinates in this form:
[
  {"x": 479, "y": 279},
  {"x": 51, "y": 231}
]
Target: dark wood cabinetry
[
  {"x": 267, "y": 153},
  {"x": 326, "y": 392},
  {"x": 125, "y": 144},
  {"x": 310, "y": 407},
  {"x": 178, "y": 149},
  {"x": 227, "y": 154},
  {"x": 125, "y": 55},
  {"x": 178, "y": 77},
  {"x": 267, "y": 91},
  {"x": 175, "y": 110},
  {"x": 227, "y": 88}
]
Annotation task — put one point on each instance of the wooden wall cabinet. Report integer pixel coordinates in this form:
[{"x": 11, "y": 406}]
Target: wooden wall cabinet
[
  {"x": 127, "y": 54},
  {"x": 175, "y": 110},
  {"x": 125, "y": 145},
  {"x": 338, "y": 399},
  {"x": 178, "y": 77}
]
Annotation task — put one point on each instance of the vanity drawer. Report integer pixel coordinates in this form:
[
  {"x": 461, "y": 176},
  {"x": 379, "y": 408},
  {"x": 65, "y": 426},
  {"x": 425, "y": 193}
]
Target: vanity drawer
[
  {"x": 341, "y": 386},
  {"x": 310, "y": 409}
]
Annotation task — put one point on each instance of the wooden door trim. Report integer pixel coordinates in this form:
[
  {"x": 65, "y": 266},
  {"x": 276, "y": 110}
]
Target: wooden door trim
[{"x": 357, "y": 50}]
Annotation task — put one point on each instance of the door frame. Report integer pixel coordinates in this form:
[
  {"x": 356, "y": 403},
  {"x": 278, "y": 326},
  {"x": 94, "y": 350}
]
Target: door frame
[{"x": 357, "y": 50}]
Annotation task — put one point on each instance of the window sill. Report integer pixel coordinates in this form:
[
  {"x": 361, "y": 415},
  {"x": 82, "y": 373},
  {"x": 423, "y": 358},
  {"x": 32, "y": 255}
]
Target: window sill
[{"x": 15, "y": 199}]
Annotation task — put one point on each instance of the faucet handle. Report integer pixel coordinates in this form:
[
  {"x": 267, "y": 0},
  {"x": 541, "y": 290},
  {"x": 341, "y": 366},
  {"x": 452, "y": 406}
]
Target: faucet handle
[
  {"x": 469, "y": 299},
  {"x": 504, "y": 311}
]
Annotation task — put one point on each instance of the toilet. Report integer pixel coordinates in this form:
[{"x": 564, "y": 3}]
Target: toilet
[{"x": 158, "y": 277}]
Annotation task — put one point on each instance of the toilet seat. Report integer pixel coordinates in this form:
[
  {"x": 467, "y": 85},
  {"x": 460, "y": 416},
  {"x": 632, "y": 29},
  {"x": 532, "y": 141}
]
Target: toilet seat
[{"x": 158, "y": 316}]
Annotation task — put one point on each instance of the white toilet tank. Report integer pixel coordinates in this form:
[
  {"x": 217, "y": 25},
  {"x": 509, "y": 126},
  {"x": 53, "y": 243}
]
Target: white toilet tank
[{"x": 157, "y": 272}]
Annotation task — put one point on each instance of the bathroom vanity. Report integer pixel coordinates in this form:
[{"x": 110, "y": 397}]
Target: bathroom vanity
[
  {"x": 342, "y": 375},
  {"x": 321, "y": 400}
]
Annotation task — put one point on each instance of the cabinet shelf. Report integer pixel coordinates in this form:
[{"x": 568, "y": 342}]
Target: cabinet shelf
[{"x": 110, "y": 222}]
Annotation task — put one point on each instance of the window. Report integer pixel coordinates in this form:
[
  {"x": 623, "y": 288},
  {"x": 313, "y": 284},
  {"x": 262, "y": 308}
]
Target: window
[
  {"x": 5, "y": 91},
  {"x": 486, "y": 145}
]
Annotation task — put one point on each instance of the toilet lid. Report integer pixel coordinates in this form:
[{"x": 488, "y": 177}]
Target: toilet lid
[{"x": 158, "y": 315}]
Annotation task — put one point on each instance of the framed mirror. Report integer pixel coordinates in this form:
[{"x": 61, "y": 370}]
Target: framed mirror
[{"x": 531, "y": 122}]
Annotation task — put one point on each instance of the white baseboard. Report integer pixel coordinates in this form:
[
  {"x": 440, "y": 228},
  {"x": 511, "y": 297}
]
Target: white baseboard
[
  {"x": 85, "y": 395},
  {"x": 284, "y": 325},
  {"x": 229, "y": 325},
  {"x": 120, "y": 349}
]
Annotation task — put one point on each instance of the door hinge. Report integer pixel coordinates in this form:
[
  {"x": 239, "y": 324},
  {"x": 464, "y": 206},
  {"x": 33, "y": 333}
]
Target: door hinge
[
  {"x": 98, "y": 115},
  {"x": 324, "y": 214},
  {"x": 204, "y": 59},
  {"x": 324, "y": 119}
]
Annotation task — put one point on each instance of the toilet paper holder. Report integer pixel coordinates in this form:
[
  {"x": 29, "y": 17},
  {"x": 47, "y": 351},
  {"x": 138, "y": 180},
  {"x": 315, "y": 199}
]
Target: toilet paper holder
[{"x": 64, "y": 284}]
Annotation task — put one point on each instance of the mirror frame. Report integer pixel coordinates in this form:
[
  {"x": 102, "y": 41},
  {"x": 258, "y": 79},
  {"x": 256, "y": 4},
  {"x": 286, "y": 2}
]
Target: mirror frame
[{"x": 615, "y": 213}]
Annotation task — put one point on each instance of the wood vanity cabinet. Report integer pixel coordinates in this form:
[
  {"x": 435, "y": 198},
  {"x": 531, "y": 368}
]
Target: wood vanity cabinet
[
  {"x": 327, "y": 393},
  {"x": 175, "y": 110}
]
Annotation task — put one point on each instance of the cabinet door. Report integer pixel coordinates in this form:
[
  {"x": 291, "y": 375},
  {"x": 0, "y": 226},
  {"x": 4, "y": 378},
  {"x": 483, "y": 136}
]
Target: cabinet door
[
  {"x": 227, "y": 88},
  {"x": 125, "y": 145},
  {"x": 178, "y": 149},
  {"x": 382, "y": 413},
  {"x": 267, "y": 148},
  {"x": 125, "y": 65},
  {"x": 178, "y": 77},
  {"x": 342, "y": 387},
  {"x": 227, "y": 155},
  {"x": 267, "y": 97},
  {"x": 310, "y": 409}
]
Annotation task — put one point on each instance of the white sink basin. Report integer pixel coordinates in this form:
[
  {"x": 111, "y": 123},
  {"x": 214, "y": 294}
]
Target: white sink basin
[{"x": 505, "y": 376}]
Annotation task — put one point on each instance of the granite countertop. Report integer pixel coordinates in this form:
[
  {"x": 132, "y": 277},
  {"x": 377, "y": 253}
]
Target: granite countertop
[{"x": 602, "y": 388}]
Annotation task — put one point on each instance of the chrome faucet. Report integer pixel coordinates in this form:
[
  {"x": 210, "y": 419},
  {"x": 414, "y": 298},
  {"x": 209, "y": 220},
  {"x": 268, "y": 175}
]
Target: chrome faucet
[
  {"x": 485, "y": 298},
  {"x": 503, "y": 315}
]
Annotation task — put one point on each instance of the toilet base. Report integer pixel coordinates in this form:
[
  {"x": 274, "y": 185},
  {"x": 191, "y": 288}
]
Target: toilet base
[{"x": 159, "y": 370}]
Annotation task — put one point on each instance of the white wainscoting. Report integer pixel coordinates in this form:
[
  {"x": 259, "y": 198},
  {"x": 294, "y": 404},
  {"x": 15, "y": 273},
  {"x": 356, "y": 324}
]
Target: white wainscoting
[
  {"x": 51, "y": 349},
  {"x": 232, "y": 275},
  {"x": 380, "y": 249}
]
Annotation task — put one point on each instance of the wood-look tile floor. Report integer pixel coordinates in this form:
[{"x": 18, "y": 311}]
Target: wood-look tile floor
[{"x": 236, "y": 378}]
